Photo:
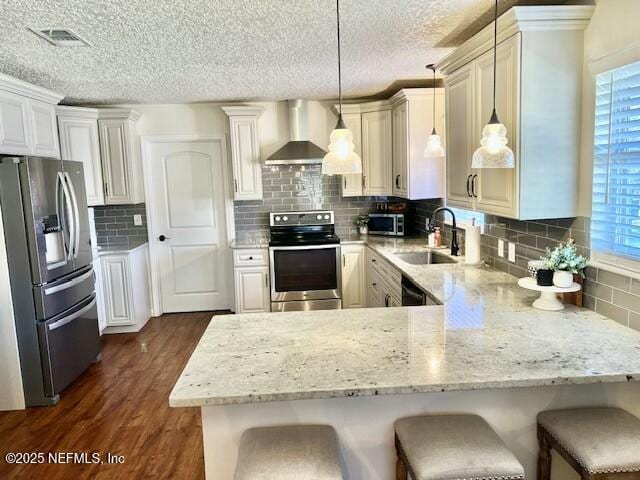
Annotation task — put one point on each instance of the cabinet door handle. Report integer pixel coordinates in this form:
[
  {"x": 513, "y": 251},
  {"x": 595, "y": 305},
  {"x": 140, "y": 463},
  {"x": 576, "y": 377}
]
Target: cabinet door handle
[
  {"x": 345, "y": 181},
  {"x": 468, "y": 180},
  {"x": 344, "y": 260},
  {"x": 373, "y": 284},
  {"x": 266, "y": 280},
  {"x": 364, "y": 181},
  {"x": 106, "y": 189},
  {"x": 235, "y": 184},
  {"x": 397, "y": 181},
  {"x": 473, "y": 186},
  {"x": 386, "y": 300}
]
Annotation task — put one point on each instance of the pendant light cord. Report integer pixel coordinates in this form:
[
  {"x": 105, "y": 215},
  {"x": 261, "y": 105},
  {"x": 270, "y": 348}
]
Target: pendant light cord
[
  {"x": 339, "y": 66},
  {"x": 433, "y": 67},
  {"x": 495, "y": 54}
]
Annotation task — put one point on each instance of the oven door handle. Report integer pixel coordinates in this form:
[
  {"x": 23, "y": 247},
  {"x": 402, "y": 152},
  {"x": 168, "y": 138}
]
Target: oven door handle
[{"x": 308, "y": 247}]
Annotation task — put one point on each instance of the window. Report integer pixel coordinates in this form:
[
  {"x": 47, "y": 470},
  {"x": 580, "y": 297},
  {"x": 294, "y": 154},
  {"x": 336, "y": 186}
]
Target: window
[
  {"x": 465, "y": 217},
  {"x": 615, "y": 219}
]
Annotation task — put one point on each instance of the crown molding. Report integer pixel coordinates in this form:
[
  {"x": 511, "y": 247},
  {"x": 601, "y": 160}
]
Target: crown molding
[
  {"x": 513, "y": 21},
  {"x": 25, "y": 89},
  {"x": 243, "y": 110},
  {"x": 77, "y": 112},
  {"x": 119, "y": 113},
  {"x": 406, "y": 94}
]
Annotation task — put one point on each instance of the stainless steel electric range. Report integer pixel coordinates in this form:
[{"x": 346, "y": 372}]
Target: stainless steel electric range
[{"x": 305, "y": 261}]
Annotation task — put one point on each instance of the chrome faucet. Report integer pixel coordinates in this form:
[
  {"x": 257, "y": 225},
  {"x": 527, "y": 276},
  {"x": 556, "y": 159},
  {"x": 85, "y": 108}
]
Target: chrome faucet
[{"x": 454, "y": 228}]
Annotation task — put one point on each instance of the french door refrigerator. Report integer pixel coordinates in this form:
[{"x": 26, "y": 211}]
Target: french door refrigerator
[{"x": 45, "y": 216}]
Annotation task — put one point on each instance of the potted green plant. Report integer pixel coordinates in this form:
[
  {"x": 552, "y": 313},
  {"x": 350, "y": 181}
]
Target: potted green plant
[
  {"x": 362, "y": 222},
  {"x": 565, "y": 262}
]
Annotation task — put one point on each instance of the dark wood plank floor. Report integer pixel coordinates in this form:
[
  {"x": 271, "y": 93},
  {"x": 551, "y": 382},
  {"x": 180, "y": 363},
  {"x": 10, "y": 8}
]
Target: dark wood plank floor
[{"x": 119, "y": 406}]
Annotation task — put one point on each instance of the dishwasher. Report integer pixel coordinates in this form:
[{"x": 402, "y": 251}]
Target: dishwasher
[{"x": 412, "y": 295}]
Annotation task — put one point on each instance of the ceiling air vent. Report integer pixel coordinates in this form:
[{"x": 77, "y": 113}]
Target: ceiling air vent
[{"x": 61, "y": 37}]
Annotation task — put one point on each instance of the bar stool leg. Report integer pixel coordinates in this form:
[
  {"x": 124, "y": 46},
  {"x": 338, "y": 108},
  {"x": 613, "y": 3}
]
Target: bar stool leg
[
  {"x": 544, "y": 456},
  {"x": 401, "y": 468}
]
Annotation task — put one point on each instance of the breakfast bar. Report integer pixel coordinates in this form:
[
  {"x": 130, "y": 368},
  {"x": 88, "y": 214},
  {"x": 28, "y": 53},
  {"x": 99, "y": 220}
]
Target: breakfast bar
[{"x": 485, "y": 350}]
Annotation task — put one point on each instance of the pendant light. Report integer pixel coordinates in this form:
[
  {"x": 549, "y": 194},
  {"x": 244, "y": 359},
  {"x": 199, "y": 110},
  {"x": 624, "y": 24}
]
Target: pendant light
[
  {"x": 342, "y": 158},
  {"x": 493, "y": 151},
  {"x": 434, "y": 142}
]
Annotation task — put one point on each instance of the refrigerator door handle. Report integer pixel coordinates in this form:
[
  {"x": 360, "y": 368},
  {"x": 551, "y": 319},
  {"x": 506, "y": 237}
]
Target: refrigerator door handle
[
  {"x": 61, "y": 204},
  {"x": 76, "y": 215},
  {"x": 66, "y": 320},
  {"x": 69, "y": 284},
  {"x": 68, "y": 205}
]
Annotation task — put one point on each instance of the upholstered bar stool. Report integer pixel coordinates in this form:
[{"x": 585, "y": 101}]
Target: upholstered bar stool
[
  {"x": 448, "y": 447},
  {"x": 300, "y": 452},
  {"x": 599, "y": 443}
]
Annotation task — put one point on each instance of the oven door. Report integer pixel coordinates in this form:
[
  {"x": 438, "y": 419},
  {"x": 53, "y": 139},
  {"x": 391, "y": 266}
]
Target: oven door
[
  {"x": 305, "y": 272},
  {"x": 383, "y": 224}
]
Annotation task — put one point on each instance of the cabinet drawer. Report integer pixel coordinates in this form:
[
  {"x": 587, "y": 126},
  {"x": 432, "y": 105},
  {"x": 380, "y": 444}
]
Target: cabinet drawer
[{"x": 250, "y": 256}]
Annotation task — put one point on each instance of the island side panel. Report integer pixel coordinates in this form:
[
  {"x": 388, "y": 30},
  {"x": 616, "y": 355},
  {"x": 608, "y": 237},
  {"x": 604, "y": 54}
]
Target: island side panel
[{"x": 365, "y": 424}]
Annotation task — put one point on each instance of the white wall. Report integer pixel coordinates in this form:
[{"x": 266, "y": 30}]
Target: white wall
[
  {"x": 11, "y": 391},
  {"x": 209, "y": 119},
  {"x": 612, "y": 39}
]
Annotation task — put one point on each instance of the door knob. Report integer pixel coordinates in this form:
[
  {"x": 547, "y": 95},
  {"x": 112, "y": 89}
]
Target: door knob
[{"x": 162, "y": 238}]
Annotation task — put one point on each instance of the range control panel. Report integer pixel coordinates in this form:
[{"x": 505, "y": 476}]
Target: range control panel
[{"x": 319, "y": 217}]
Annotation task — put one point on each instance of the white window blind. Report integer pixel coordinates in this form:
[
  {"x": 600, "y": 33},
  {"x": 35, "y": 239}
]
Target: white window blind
[{"x": 615, "y": 219}]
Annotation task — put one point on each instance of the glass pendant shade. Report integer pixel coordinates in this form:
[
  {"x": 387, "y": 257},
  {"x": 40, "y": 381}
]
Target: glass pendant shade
[
  {"x": 342, "y": 158},
  {"x": 493, "y": 151},
  {"x": 434, "y": 146}
]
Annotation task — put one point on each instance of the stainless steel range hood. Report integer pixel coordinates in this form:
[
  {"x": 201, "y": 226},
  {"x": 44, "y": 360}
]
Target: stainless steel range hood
[{"x": 299, "y": 150}]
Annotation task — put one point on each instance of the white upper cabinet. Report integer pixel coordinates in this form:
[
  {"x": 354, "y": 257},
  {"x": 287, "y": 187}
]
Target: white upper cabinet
[
  {"x": 376, "y": 152},
  {"x": 79, "y": 141},
  {"x": 460, "y": 147},
  {"x": 120, "y": 151},
  {"x": 414, "y": 176},
  {"x": 351, "y": 185},
  {"x": 539, "y": 75},
  {"x": 27, "y": 119},
  {"x": 245, "y": 151}
]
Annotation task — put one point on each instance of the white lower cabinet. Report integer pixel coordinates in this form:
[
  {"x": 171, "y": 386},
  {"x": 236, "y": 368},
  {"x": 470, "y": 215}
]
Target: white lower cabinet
[
  {"x": 383, "y": 282},
  {"x": 354, "y": 293},
  {"x": 102, "y": 315},
  {"x": 251, "y": 276},
  {"x": 125, "y": 281}
]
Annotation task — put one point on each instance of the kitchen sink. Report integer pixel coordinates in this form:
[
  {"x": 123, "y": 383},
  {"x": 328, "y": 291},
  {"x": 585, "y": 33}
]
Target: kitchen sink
[{"x": 424, "y": 258}]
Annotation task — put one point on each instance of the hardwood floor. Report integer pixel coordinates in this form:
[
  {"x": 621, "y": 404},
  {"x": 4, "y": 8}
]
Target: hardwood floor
[{"x": 119, "y": 406}]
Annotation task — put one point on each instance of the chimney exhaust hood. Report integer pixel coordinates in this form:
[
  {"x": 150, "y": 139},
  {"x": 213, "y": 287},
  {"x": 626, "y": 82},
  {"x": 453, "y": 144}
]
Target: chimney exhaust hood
[{"x": 299, "y": 150}]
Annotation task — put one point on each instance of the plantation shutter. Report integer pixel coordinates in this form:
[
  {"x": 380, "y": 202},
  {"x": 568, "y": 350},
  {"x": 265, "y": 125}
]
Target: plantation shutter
[{"x": 615, "y": 220}]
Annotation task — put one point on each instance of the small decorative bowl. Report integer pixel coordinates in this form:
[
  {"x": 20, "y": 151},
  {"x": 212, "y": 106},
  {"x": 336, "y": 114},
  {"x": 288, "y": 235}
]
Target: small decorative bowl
[{"x": 533, "y": 266}]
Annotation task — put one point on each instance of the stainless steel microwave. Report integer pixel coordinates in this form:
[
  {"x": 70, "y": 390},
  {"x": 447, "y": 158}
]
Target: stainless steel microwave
[{"x": 386, "y": 224}]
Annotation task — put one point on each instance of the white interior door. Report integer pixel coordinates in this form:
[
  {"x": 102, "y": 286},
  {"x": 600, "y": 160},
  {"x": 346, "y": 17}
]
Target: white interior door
[{"x": 189, "y": 211}]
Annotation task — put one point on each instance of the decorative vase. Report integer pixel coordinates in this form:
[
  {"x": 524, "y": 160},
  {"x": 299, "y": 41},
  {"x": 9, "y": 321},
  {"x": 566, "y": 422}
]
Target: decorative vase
[
  {"x": 363, "y": 230},
  {"x": 544, "y": 277},
  {"x": 562, "y": 279}
]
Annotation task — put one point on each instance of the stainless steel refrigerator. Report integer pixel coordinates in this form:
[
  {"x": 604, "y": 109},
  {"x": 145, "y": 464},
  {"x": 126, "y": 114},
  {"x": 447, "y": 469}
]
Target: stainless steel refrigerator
[{"x": 45, "y": 215}]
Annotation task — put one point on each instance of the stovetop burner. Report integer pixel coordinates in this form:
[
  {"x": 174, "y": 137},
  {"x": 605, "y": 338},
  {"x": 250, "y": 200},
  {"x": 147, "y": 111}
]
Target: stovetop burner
[{"x": 302, "y": 228}]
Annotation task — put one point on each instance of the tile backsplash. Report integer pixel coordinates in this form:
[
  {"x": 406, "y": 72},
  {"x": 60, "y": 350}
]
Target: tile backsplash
[
  {"x": 114, "y": 225},
  {"x": 292, "y": 188},
  {"x": 611, "y": 294}
]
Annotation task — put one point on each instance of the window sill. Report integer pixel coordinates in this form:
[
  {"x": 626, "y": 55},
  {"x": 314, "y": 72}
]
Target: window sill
[{"x": 600, "y": 265}]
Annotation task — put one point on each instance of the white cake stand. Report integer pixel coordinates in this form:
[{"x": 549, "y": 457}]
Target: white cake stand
[{"x": 548, "y": 299}]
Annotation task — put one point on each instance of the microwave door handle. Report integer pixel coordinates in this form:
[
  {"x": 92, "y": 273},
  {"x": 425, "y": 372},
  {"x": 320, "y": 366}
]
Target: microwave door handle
[{"x": 76, "y": 215}]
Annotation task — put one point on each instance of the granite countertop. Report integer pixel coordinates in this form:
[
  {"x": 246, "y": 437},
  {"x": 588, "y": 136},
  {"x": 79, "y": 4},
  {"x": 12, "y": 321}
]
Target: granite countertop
[
  {"x": 248, "y": 240},
  {"x": 120, "y": 249},
  {"x": 485, "y": 335}
]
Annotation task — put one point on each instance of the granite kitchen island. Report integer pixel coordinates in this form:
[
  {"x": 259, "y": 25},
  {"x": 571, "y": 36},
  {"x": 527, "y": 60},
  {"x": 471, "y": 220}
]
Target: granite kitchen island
[{"x": 484, "y": 351}]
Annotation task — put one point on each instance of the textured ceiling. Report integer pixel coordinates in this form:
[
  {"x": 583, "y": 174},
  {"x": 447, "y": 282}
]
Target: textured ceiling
[{"x": 166, "y": 51}]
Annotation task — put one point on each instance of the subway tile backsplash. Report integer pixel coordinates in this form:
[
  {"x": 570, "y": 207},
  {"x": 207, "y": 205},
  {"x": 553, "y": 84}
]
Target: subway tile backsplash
[
  {"x": 114, "y": 225},
  {"x": 292, "y": 188},
  {"x": 611, "y": 294}
]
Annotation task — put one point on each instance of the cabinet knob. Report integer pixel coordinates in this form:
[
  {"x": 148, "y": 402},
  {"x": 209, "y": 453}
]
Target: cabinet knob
[{"x": 162, "y": 238}]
